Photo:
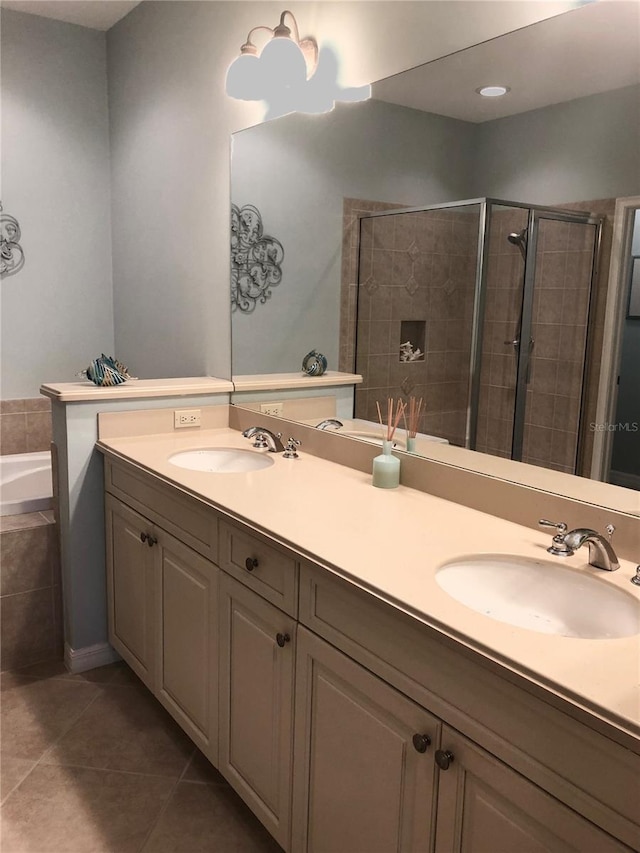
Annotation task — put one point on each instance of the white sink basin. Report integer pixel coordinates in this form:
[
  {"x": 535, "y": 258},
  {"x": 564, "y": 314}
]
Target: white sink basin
[
  {"x": 221, "y": 460},
  {"x": 542, "y": 596}
]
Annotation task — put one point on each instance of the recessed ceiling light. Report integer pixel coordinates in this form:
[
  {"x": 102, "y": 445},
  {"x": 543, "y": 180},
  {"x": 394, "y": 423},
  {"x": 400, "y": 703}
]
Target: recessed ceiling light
[{"x": 493, "y": 91}]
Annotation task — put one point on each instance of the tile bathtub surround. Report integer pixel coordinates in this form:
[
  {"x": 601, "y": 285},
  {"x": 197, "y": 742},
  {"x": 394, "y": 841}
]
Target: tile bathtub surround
[
  {"x": 25, "y": 425},
  {"x": 58, "y": 796},
  {"x": 30, "y": 591}
]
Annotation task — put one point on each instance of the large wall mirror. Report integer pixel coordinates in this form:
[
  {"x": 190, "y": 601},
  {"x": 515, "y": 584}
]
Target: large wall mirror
[{"x": 477, "y": 229}]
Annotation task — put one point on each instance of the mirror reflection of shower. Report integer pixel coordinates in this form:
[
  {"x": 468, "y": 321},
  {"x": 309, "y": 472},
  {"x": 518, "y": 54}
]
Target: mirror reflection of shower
[
  {"x": 481, "y": 276},
  {"x": 519, "y": 239}
]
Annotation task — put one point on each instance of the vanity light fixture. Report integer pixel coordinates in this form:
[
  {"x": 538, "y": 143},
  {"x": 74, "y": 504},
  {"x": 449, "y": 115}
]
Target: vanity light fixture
[
  {"x": 493, "y": 91},
  {"x": 288, "y": 74},
  {"x": 286, "y": 60}
]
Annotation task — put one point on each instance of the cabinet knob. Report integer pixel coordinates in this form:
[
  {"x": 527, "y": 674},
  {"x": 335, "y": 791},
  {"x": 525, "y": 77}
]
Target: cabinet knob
[
  {"x": 444, "y": 759},
  {"x": 143, "y": 537},
  {"x": 282, "y": 639},
  {"x": 250, "y": 564},
  {"x": 421, "y": 742},
  {"x": 151, "y": 541}
]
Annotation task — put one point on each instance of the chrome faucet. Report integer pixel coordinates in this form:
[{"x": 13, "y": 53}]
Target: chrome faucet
[
  {"x": 334, "y": 423},
  {"x": 264, "y": 438},
  {"x": 601, "y": 554}
]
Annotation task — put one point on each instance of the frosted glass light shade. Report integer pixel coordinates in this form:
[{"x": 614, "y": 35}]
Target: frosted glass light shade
[
  {"x": 244, "y": 78},
  {"x": 282, "y": 65}
]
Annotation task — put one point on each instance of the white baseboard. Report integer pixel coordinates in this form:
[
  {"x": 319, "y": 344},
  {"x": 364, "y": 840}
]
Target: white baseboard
[
  {"x": 621, "y": 478},
  {"x": 89, "y": 657}
]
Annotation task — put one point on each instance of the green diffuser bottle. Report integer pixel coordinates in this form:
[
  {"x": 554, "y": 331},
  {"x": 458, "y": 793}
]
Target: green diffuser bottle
[{"x": 386, "y": 468}]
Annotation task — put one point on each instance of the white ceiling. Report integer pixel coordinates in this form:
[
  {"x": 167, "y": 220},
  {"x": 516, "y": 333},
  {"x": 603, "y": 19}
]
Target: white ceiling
[
  {"x": 96, "y": 14},
  {"x": 592, "y": 49}
]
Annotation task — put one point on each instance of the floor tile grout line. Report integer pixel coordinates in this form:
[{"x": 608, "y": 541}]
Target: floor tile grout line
[
  {"x": 167, "y": 801},
  {"x": 17, "y": 785},
  {"x": 114, "y": 770},
  {"x": 49, "y": 748},
  {"x": 74, "y": 720}
]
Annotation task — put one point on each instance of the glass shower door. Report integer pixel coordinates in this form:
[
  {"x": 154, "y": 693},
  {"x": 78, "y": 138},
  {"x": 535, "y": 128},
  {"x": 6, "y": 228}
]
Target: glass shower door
[{"x": 551, "y": 373}]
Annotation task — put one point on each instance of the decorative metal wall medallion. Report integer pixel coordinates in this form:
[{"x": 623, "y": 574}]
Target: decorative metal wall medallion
[
  {"x": 11, "y": 254},
  {"x": 256, "y": 259}
]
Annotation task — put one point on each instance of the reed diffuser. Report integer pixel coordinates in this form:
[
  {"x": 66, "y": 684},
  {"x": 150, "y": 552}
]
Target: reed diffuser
[
  {"x": 412, "y": 421},
  {"x": 386, "y": 467}
]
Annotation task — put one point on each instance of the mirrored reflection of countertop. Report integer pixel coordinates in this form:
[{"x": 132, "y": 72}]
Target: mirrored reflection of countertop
[{"x": 390, "y": 542}]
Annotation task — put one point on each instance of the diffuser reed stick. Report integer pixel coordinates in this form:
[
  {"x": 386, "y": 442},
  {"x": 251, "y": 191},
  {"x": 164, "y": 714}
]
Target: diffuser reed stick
[
  {"x": 395, "y": 413},
  {"x": 412, "y": 422}
]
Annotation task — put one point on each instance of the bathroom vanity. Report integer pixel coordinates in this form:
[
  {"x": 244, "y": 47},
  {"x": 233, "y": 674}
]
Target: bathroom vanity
[{"x": 289, "y": 620}]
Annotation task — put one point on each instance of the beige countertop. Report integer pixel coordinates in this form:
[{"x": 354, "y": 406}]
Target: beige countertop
[
  {"x": 392, "y": 542},
  {"x": 85, "y": 391},
  {"x": 290, "y": 381}
]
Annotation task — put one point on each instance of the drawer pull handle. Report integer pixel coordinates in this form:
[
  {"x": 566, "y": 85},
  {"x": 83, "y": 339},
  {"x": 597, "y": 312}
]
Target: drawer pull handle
[
  {"x": 421, "y": 742},
  {"x": 250, "y": 564},
  {"x": 282, "y": 639},
  {"x": 151, "y": 541},
  {"x": 444, "y": 759}
]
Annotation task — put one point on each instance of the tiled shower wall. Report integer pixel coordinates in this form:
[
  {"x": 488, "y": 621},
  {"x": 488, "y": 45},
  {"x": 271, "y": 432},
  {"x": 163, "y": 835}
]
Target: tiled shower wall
[
  {"x": 25, "y": 425},
  {"x": 560, "y": 314},
  {"x": 559, "y": 317},
  {"x": 416, "y": 267}
]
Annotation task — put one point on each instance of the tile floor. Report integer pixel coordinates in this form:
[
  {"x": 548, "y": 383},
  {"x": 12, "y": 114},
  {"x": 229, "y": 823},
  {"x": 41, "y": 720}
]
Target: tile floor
[{"x": 92, "y": 763}]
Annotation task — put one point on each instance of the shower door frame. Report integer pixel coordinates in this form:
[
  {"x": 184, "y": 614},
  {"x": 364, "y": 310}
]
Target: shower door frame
[{"x": 535, "y": 214}]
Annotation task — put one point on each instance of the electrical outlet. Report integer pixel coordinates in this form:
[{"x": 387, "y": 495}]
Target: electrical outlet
[
  {"x": 275, "y": 409},
  {"x": 186, "y": 418}
]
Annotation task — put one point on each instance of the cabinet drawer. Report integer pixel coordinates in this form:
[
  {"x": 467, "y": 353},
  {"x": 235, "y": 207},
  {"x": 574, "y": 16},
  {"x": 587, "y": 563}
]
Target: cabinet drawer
[
  {"x": 186, "y": 518},
  {"x": 271, "y": 571},
  {"x": 556, "y": 751}
]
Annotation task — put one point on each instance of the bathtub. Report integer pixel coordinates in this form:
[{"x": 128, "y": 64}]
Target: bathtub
[{"x": 25, "y": 483}]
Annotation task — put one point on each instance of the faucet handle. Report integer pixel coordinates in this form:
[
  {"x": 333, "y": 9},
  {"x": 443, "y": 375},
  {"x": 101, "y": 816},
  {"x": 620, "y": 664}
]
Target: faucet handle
[
  {"x": 558, "y": 547},
  {"x": 290, "y": 451}
]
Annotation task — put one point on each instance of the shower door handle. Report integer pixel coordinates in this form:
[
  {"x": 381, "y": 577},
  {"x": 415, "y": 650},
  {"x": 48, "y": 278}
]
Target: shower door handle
[{"x": 528, "y": 376}]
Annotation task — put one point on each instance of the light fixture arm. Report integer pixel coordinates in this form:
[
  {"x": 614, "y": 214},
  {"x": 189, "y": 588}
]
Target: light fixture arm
[
  {"x": 249, "y": 46},
  {"x": 283, "y": 30}
]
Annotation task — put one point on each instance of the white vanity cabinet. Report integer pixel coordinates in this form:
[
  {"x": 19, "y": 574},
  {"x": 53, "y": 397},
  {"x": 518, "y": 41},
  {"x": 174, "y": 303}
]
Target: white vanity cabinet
[
  {"x": 377, "y": 773},
  {"x": 257, "y": 648},
  {"x": 364, "y": 768},
  {"x": 486, "y": 807},
  {"x": 131, "y": 589},
  {"x": 346, "y": 724},
  {"x": 163, "y": 598}
]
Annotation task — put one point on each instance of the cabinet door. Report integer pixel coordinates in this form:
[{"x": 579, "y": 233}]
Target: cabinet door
[
  {"x": 256, "y": 703},
  {"x": 362, "y": 785},
  {"x": 486, "y": 807},
  {"x": 131, "y": 588},
  {"x": 188, "y": 619}
]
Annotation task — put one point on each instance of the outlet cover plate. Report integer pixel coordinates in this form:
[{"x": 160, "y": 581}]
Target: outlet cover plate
[
  {"x": 183, "y": 418},
  {"x": 272, "y": 408}
]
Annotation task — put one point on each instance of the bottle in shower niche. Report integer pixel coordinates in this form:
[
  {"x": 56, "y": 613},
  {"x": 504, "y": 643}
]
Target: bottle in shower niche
[{"x": 386, "y": 468}]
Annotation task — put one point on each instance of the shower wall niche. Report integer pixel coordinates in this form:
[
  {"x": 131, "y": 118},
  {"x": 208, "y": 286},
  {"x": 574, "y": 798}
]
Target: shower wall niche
[{"x": 497, "y": 297}]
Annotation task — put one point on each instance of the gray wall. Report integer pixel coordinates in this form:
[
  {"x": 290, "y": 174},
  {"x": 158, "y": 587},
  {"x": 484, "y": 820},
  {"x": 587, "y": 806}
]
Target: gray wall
[
  {"x": 296, "y": 171},
  {"x": 170, "y": 127},
  {"x": 57, "y": 311},
  {"x": 582, "y": 149}
]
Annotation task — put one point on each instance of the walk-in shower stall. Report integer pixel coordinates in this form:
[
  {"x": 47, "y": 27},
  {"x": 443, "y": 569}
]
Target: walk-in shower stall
[{"x": 481, "y": 307}]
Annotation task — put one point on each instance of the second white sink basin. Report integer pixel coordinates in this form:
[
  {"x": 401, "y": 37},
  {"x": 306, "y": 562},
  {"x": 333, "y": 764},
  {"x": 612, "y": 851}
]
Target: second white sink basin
[
  {"x": 542, "y": 596},
  {"x": 221, "y": 460}
]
